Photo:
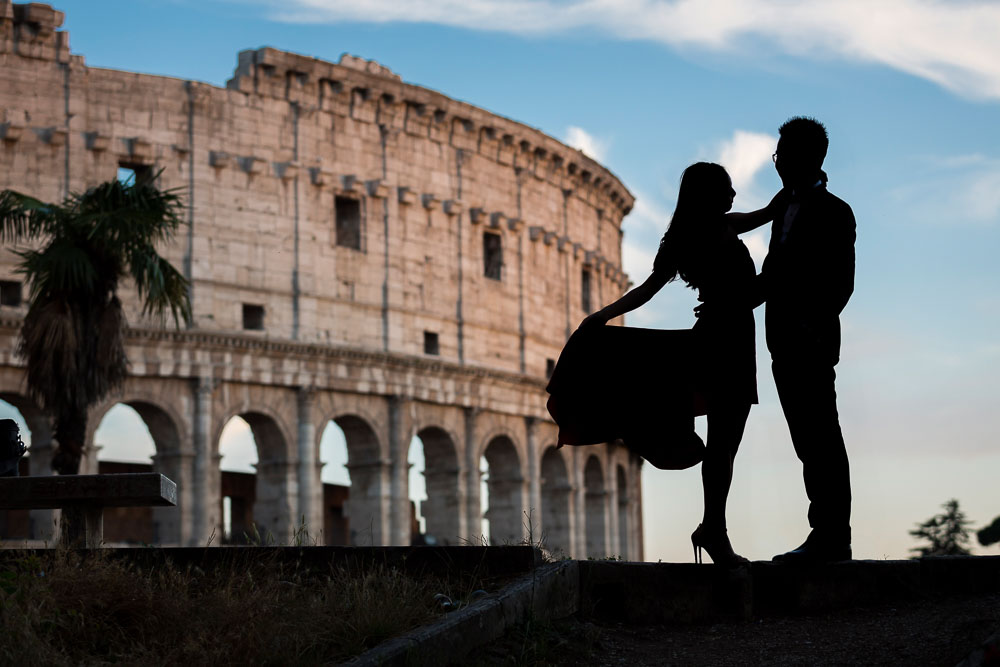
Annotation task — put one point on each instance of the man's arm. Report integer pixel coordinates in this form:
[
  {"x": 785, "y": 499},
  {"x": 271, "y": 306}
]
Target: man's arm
[{"x": 842, "y": 259}]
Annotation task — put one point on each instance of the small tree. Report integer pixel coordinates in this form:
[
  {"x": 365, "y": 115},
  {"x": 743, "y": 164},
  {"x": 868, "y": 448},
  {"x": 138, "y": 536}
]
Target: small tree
[
  {"x": 947, "y": 533},
  {"x": 73, "y": 335}
]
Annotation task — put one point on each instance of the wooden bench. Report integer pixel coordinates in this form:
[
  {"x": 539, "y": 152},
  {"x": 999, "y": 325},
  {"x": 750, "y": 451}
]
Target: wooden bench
[{"x": 82, "y": 499}]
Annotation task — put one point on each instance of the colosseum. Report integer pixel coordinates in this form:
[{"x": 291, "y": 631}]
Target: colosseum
[{"x": 360, "y": 250}]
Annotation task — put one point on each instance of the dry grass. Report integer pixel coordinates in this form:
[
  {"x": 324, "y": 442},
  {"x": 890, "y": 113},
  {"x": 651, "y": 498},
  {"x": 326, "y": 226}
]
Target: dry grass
[{"x": 61, "y": 609}]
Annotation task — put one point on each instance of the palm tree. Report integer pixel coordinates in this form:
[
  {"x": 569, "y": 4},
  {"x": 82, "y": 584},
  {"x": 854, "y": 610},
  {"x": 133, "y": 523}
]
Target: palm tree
[{"x": 73, "y": 335}]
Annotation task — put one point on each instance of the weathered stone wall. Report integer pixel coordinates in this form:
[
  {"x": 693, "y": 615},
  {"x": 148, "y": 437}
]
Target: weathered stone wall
[{"x": 260, "y": 163}]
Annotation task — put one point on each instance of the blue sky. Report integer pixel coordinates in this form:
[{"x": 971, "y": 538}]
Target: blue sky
[{"x": 910, "y": 94}]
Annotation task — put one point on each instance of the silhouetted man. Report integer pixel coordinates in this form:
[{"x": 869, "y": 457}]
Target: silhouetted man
[{"x": 807, "y": 279}]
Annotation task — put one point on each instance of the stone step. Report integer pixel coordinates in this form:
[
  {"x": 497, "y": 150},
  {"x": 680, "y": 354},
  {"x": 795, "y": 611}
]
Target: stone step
[{"x": 652, "y": 593}]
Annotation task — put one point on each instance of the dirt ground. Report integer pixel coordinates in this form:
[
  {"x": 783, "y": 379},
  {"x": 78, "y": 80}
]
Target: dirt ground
[{"x": 929, "y": 632}]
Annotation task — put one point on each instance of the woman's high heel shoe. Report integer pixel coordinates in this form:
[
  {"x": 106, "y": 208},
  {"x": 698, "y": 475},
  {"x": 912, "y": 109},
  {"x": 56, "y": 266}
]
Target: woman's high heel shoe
[{"x": 716, "y": 543}]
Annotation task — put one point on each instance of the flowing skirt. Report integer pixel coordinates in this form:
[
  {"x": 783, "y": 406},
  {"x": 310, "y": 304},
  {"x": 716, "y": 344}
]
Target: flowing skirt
[{"x": 635, "y": 385}]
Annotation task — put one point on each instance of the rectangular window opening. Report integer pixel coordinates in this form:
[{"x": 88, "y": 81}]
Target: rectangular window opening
[
  {"x": 431, "y": 343},
  {"x": 585, "y": 290},
  {"x": 253, "y": 317},
  {"x": 130, "y": 173},
  {"x": 348, "y": 221},
  {"x": 10, "y": 293},
  {"x": 492, "y": 255}
]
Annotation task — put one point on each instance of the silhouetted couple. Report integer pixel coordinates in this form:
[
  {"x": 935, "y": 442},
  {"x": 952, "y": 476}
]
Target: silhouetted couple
[{"x": 806, "y": 280}]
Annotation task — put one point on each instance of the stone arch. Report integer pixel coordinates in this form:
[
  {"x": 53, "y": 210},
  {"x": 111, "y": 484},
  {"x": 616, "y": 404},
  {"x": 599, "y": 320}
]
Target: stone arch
[
  {"x": 39, "y": 425},
  {"x": 556, "y": 494},
  {"x": 39, "y": 524},
  {"x": 505, "y": 483},
  {"x": 442, "y": 510},
  {"x": 365, "y": 509},
  {"x": 595, "y": 494},
  {"x": 271, "y": 425},
  {"x": 271, "y": 509},
  {"x": 162, "y": 429},
  {"x": 623, "y": 508}
]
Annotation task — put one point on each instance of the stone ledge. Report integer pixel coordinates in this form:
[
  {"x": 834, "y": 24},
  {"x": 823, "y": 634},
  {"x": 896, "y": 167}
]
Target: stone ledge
[
  {"x": 56, "y": 491},
  {"x": 550, "y": 592},
  {"x": 649, "y": 593},
  {"x": 485, "y": 561}
]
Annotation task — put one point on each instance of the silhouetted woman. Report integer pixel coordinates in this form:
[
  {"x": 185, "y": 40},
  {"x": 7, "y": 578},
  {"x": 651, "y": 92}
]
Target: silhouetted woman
[{"x": 700, "y": 249}]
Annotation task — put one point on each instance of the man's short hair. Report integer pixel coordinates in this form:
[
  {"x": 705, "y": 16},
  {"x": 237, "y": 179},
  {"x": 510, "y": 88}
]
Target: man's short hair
[{"x": 807, "y": 135}]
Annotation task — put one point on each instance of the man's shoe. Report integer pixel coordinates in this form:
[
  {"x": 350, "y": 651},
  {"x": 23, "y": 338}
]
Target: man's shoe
[{"x": 810, "y": 553}]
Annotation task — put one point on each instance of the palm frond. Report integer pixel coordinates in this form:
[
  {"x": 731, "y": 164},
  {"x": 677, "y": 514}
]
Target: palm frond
[
  {"x": 23, "y": 218},
  {"x": 128, "y": 215},
  {"x": 161, "y": 287},
  {"x": 61, "y": 267}
]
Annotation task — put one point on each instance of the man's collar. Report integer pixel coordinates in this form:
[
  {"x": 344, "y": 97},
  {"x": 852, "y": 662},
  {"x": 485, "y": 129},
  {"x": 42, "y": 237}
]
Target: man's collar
[{"x": 820, "y": 183}]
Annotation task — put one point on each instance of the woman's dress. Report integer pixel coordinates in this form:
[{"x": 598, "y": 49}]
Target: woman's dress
[{"x": 645, "y": 386}]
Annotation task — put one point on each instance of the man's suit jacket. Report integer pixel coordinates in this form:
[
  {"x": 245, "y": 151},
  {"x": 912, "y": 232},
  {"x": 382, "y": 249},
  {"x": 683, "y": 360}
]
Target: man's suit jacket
[{"x": 808, "y": 279}]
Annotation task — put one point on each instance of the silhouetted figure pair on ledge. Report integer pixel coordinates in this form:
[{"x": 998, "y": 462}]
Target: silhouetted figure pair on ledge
[{"x": 645, "y": 387}]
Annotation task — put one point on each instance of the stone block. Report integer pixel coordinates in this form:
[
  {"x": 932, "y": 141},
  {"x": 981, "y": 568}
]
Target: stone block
[
  {"x": 349, "y": 183},
  {"x": 429, "y": 201},
  {"x": 286, "y": 171},
  {"x": 11, "y": 131},
  {"x": 477, "y": 215},
  {"x": 219, "y": 159},
  {"x": 53, "y": 136},
  {"x": 535, "y": 233},
  {"x": 320, "y": 176},
  {"x": 377, "y": 189},
  {"x": 407, "y": 196}
]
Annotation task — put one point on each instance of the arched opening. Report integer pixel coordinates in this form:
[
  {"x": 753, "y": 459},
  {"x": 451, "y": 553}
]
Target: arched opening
[
  {"x": 438, "y": 504},
  {"x": 505, "y": 492},
  {"x": 555, "y": 503},
  {"x": 594, "y": 507},
  {"x": 336, "y": 485},
  {"x": 255, "y": 480},
  {"x": 135, "y": 437},
  {"x": 238, "y": 469},
  {"x": 16, "y": 524},
  {"x": 416, "y": 486},
  {"x": 354, "y": 481},
  {"x": 623, "y": 528},
  {"x": 123, "y": 442}
]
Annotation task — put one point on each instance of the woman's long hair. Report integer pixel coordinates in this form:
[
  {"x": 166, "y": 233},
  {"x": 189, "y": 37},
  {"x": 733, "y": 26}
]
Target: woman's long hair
[{"x": 702, "y": 185}]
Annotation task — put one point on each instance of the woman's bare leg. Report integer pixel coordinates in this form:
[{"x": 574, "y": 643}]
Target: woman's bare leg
[{"x": 726, "y": 424}]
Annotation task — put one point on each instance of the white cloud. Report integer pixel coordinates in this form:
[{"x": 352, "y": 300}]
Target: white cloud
[
  {"x": 580, "y": 139},
  {"x": 953, "y": 44},
  {"x": 744, "y": 154},
  {"x": 637, "y": 260},
  {"x": 961, "y": 189}
]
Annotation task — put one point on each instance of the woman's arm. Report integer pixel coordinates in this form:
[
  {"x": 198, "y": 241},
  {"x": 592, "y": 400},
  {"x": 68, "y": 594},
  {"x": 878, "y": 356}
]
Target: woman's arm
[
  {"x": 744, "y": 222},
  {"x": 629, "y": 302}
]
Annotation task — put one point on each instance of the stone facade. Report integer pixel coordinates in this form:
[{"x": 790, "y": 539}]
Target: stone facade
[{"x": 360, "y": 250}]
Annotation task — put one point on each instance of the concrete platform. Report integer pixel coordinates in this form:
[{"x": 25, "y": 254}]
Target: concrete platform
[{"x": 653, "y": 593}]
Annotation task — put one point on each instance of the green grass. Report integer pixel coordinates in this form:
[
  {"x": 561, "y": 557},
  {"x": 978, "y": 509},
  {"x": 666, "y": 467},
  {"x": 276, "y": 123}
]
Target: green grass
[{"x": 62, "y": 608}]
